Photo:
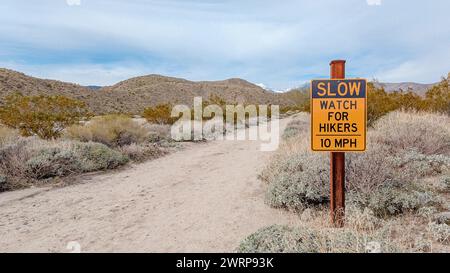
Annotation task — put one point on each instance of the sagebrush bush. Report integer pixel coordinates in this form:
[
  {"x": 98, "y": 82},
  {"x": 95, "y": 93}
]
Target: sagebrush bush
[
  {"x": 29, "y": 159},
  {"x": 298, "y": 125},
  {"x": 111, "y": 130},
  {"x": 51, "y": 162},
  {"x": 97, "y": 156},
  {"x": 159, "y": 114},
  {"x": 385, "y": 179},
  {"x": 284, "y": 239},
  {"x": 301, "y": 181}
]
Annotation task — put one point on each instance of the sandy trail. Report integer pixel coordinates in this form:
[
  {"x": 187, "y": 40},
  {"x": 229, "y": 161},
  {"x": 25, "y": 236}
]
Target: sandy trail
[{"x": 205, "y": 198}]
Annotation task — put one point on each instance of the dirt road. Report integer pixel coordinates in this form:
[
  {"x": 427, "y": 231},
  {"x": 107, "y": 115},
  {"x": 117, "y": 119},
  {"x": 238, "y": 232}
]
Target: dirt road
[{"x": 204, "y": 198}]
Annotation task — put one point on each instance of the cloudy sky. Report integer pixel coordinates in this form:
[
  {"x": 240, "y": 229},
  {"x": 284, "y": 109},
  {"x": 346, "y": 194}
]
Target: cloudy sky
[{"x": 278, "y": 43}]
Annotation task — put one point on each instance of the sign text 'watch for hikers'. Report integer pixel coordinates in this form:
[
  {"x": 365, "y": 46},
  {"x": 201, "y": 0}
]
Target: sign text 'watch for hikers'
[{"x": 338, "y": 115}]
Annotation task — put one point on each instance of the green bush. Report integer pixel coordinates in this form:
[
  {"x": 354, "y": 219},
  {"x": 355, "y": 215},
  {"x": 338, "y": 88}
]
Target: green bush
[
  {"x": 3, "y": 183},
  {"x": 44, "y": 116},
  {"x": 159, "y": 114},
  {"x": 437, "y": 98}
]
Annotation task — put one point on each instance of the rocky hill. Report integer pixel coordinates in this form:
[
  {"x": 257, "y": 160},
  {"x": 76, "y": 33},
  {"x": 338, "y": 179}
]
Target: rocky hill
[{"x": 133, "y": 95}]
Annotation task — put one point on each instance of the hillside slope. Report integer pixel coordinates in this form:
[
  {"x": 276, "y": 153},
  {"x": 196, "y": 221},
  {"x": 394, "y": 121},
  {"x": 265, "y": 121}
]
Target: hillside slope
[
  {"x": 15, "y": 82},
  {"x": 133, "y": 95}
]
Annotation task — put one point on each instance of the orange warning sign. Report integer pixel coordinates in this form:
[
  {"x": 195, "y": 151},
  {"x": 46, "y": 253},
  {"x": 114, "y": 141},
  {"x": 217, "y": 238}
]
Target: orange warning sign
[{"x": 338, "y": 115}]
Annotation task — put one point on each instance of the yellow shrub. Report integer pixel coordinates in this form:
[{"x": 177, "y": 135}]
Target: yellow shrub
[
  {"x": 438, "y": 97},
  {"x": 111, "y": 130},
  {"x": 44, "y": 116},
  {"x": 159, "y": 114}
]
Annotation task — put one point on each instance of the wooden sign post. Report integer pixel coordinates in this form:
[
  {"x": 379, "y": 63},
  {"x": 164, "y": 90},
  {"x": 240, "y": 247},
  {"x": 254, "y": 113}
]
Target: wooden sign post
[{"x": 338, "y": 125}]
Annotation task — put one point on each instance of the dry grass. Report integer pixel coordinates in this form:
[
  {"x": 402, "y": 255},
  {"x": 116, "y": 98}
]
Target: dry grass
[
  {"x": 111, "y": 130},
  {"x": 428, "y": 133},
  {"x": 7, "y": 135}
]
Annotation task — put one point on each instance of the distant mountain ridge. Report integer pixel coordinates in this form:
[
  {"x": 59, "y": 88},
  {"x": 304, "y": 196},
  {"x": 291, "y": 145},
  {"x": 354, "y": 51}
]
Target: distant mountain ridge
[
  {"x": 135, "y": 94},
  {"x": 418, "y": 88}
]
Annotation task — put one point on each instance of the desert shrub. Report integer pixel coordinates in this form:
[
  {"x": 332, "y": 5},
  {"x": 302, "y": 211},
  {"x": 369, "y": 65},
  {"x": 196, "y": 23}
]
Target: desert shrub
[
  {"x": 300, "y": 181},
  {"x": 44, "y": 116},
  {"x": 380, "y": 103},
  {"x": 12, "y": 158},
  {"x": 384, "y": 179},
  {"x": 440, "y": 232},
  {"x": 158, "y": 132},
  {"x": 392, "y": 199},
  {"x": 159, "y": 114},
  {"x": 30, "y": 159},
  {"x": 97, "y": 156},
  {"x": 140, "y": 152},
  {"x": 280, "y": 239},
  {"x": 295, "y": 127},
  {"x": 437, "y": 98},
  {"x": 426, "y": 132},
  {"x": 283, "y": 239},
  {"x": 111, "y": 130},
  {"x": 300, "y": 98},
  {"x": 51, "y": 162}
]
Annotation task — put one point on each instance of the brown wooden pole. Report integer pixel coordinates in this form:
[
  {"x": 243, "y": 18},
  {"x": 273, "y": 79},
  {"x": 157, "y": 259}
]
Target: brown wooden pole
[{"x": 337, "y": 164}]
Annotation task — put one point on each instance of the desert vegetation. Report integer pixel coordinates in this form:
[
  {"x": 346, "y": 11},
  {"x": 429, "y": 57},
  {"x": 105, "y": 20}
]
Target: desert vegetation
[
  {"x": 42, "y": 139},
  {"x": 44, "y": 116},
  {"x": 396, "y": 190},
  {"x": 380, "y": 102}
]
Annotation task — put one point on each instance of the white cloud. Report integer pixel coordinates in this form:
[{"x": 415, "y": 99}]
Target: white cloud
[
  {"x": 373, "y": 2},
  {"x": 259, "y": 40},
  {"x": 73, "y": 2},
  {"x": 427, "y": 68}
]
